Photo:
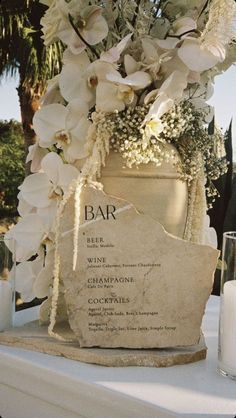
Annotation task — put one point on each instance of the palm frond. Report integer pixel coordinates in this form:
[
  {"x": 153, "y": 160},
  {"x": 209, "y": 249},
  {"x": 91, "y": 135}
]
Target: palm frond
[{"x": 21, "y": 46}]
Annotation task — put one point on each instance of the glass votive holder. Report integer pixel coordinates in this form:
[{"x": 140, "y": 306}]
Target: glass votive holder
[
  {"x": 227, "y": 322},
  {"x": 7, "y": 282}
]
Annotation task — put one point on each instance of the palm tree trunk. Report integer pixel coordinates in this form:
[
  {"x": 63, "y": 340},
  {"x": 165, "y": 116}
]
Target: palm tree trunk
[{"x": 29, "y": 104}]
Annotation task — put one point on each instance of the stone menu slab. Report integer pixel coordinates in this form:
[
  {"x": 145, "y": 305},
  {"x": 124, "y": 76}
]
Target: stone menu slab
[{"x": 135, "y": 285}]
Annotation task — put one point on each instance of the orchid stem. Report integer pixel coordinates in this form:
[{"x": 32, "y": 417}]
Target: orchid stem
[
  {"x": 182, "y": 34},
  {"x": 204, "y": 8},
  {"x": 81, "y": 37},
  {"x": 136, "y": 13}
]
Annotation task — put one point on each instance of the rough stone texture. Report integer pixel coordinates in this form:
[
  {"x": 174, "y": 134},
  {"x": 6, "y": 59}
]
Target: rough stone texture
[
  {"x": 34, "y": 337},
  {"x": 135, "y": 285}
]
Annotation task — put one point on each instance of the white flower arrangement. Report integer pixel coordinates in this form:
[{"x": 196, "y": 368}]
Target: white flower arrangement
[{"x": 136, "y": 75}]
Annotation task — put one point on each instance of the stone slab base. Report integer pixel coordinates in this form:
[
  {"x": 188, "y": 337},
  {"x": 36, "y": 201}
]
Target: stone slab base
[{"x": 34, "y": 337}]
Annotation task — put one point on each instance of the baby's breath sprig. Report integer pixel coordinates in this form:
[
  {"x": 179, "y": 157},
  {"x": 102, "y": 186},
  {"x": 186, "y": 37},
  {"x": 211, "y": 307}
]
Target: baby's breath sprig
[
  {"x": 183, "y": 126},
  {"x": 126, "y": 137},
  {"x": 198, "y": 152},
  {"x": 177, "y": 121}
]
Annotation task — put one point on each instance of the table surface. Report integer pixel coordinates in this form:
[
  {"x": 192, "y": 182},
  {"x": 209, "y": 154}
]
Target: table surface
[{"x": 191, "y": 391}]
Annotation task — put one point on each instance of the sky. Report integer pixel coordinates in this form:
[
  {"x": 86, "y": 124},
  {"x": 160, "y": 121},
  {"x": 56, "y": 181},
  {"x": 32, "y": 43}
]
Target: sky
[{"x": 223, "y": 100}]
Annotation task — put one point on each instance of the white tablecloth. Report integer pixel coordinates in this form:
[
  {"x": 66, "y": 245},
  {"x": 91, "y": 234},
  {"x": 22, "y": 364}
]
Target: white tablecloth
[{"x": 35, "y": 385}]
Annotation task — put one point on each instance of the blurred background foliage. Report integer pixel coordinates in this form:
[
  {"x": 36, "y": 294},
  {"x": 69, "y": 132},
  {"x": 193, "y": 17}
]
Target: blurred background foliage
[
  {"x": 23, "y": 54},
  {"x": 12, "y": 166}
]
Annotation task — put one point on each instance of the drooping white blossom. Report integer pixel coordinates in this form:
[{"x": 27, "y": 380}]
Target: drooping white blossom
[
  {"x": 203, "y": 53},
  {"x": 172, "y": 89},
  {"x": 88, "y": 19},
  {"x": 181, "y": 28},
  {"x": 28, "y": 235},
  {"x": 153, "y": 57},
  {"x": 54, "y": 18},
  {"x": 25, "y": 276},
  {"x": 53, "y": 94},
  {"x": 91, "y": 25},
  {"x": 75, "y": 68},
  {"x": 24, "y": 208},
  {"x": 114, "y": 53},
  {"x": 117, "y": 92},
  {"x": 197, "y": 57},
  {"x": 64, "y": 126},
  {"x": 35, "y": 155},
  {"x": 41, "y": 189},
  {"x": 87, "y": 76}
]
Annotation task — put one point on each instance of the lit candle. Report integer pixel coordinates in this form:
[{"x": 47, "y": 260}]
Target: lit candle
[
  {"x": 5, "y": 305},
  {"x": 228, "y": 328}
]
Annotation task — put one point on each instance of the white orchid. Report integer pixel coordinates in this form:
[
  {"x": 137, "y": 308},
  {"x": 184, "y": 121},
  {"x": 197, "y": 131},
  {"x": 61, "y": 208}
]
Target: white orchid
[
  {"x": 131, "y": 65},
  {"x": 47, "y": 214},
  {"x": 174, "y": 64},
  {"x": 160, "y": 106},
  {"x": 37, "y": 203},
  {"x": 153, "y": 128},
  {"x": 181, "y": 27},
  {"x": 86, "y": 75},
  {"x": 184, "y": 25},
  {"x": 24, "y": 208},
  {"x": 118, "y": 92},
  {"x": 170, "y": 91},
  {"x": 35, "y": 155},
  {"x": 55, "y": 17},
  {"x": 87, "y": 19},
  {"x": 53, "y": 94},
  {"x": 28, "y": 235},
  {"x": 41, "y": 189},
  {"x": 198, "y": 56},
  {"x": 153, "y": 58},
  {"x": 138, "y": 80},
  {"x": 98, "y": 71},
  {"x": 174, "y": 85},
  {"x": 64, "y": 126},
  {"x": 90, "y": 24},
  {"x": 26, "y": 273},
  {"x": 76, "y": 68},
  {"x": 114, "y": 53}
]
